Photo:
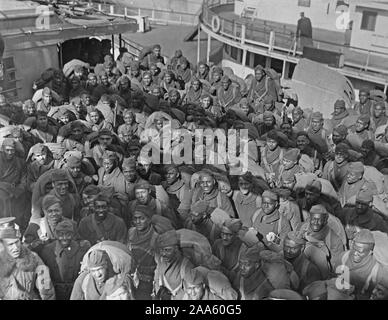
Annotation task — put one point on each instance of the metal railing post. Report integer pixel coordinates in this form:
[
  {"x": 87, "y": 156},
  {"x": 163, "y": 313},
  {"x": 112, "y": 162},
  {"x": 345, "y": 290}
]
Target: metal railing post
[
  {"x": 139, "y": 14},
  {"x": 271, "y": 40},
  {"x": 367, "y": 60},
  {"x": 209, "y": 44},
  {"x": 243, "y": 30},
  {"x": 112, "y": 9},
  {"x": 99, "y": 7},
  {"x": 199, "y": 43},
  {"x": 125, "y": 12}
]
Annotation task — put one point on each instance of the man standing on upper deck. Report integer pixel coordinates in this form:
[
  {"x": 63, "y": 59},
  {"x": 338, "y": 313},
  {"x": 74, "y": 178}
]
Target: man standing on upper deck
[{"x": 304, "y": 31}]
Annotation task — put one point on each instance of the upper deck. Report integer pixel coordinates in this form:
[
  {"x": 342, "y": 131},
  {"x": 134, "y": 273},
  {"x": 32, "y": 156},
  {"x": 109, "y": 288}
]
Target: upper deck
[{"x": 278, "y": 40}]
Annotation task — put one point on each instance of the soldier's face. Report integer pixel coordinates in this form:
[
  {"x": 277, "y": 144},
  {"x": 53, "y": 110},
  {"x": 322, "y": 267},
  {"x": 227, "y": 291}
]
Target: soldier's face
[
  {"x": 108, "y": 165},
  {"x": 360, "y": 251},
  {"x": 147, "y": 80},
  {"x": 272, "y": 144},
  {"x": 338, "y": 110},
  {"x": 31, "y": 109},
  {"x": 172, "y": 176},
  {"x": 9, "y": 152},
  {"x": 291, "y": 249},
  {"x": 296, "y": 116},
  {"x": 143, "y": 168},
  {"x": 353, "y": 177},
  {"x": 216, "y": 77},
  {"x": 206, "y": 102},
  {"x": 93, "y": 81},
  {"x": 104, "y": 80},
  {"x": 379, "y": 111},
  {"x": 105, "y": 140},
  {"x": 88, "y": 199},
  {"x": 61, "y": 187},
  {"x": 379, "y": 293},
  {"x": 337, "y": 138},
  {"x": 174, "y": 97},
  {"x": 202, "y": 69},
  {"x": 86, "y": 100},
  {"x": 42, "y": 122},
  {"x": 141, "y": 222},
  {"x": 287, "y": 129},
  {"x": 312, "y": 197},
  {"x": 269, "y": 205},
  {"x": 245, "y": 109},
  {"x": 94, "y": 117},
  {"x": 99, "y": 273},
  {"x": 157, "y": 52},
  {"x": 167, "y": 78},
  {"x": 288, "y": 164},
  {"x": 54, "y": 213},
  {"x": 77, "y": 133},
  {"x": 361, "y": 207},
  {"x": 196, "y": 85},
  {"x": 225, "y": 85},
  {"x": 363, "y": 97},
  {"x": 195, "y": 292},
  {"x": 227, "y": 237},
  {"x": 75, "y": 170},
  {"x": 259, "y": 75},
  {"x": 196, "y": 217},
  {"x": 360, "y": 126},
  {"x": 247, "y": 268},
  {"x": 317, "y": 221},
  {"x": 244, "y": 186},
  {"x": 168, "y": 253},
  {"x": 207, "y": 184},
  {"x": 289, "y": 184},
  {"x": 302, "y": 142},
  {"x": 47, "y": 98},
  {"x": 339, "y": 158},
  {"x": 130, "y": 174},
  {"x": 316, "y": 124},
  {"x": 13, "y": 247},
  {"x": 64, "y": 238},
  {"x": 142, "y": 195},
  {"x": 100, "y": 210}
]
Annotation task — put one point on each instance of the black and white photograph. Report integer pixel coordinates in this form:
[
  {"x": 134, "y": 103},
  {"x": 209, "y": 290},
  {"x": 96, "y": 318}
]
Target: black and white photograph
[{"x": 176, "y": 151}]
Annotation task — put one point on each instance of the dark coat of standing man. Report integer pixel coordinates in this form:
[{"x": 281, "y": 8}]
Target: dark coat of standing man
[{"x": 304, "y": 31}]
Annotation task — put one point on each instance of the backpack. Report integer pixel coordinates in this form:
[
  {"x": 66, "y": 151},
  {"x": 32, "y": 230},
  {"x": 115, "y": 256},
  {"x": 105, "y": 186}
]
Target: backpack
[
  {"x": 218, "y": 284},
  {"x": 197, "y": 249}
]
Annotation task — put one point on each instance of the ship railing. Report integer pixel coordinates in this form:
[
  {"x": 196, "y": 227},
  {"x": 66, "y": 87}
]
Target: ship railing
[
  {"x": 154, "y": 16},
  {"x": 273, "y": 37}
]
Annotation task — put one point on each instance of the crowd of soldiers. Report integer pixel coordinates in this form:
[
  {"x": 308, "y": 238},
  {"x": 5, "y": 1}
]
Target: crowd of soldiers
[{"x": 306, "y": 220}]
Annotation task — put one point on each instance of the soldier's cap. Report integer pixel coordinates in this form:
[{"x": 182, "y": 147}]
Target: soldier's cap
[
  {"x": 297, "y": 110},
  {"x": 200, "y": 206},
  {"x": 259, "y": 67},
  {"x": 270, "y": 195},
  {"x": 314, "y": 186},
  {"x": 273, "y": 135},
  {"x": 49, "y": 200},
  {"x": 288, "y": 176},
  {"x": 156, "y": 46},
  {"x": 364, "y": 90},
  {"x": 59, "y": 175},
  {"x": 102, "y": 197},
  {"x": 302, "y": 133},
  {"x": 65, "y": 225},
  {"x": 247, "y": 177},
  {"x": 233, "y": 225},
  {"x": 91, "y": 189},
  {"x": 317, "y": 115},
  {"x": 74, "y": 161},
  {"x": 78, "y": 68},
  {"x": 194, "y": 278},
  {"x": 97, "y": 258},
  {"x": 91, "y": 76},
  {"x": 169, "y": 167},
  {"x": 225, "y": 78},
  {"x": 364, "y": 196},
  {"x": 297, "y": 237},
  {"x": 368, "y": 144},
  {"x": 380, "y": 104},
  {"x": 143, "y": 185},
  {"x": 282, "y": 192},
  {"x": 9, "y": 142},
  {"x": 105, "y": 132},
  {"x": 319, "y": 209},
  {"x": 144, "y": 210},
  {"x": 268, "y": 114},
  {"x": 364, "y": 236},
  {"x": 218, "y": 70},
  {"x": 168, "y": 239},
  {"x": 7, "y": 222},
  {"x": 341, "y": 129},
  {"x": 111, "y": 155},
  {"x": 356, "y": 167},
  {"x": 46, "y": 91},
  {"x": 251, "y": 254},
  {"x": 340, "y": 104},
  {"x": 284, "y": 294},
  {"x": 292, "y": 154},
  {"x": 342, "y": 148},
  {"x": 9, "y": 233},
  {"x": 364, "y": 118},
  {"x": 129, "y": 164}
]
